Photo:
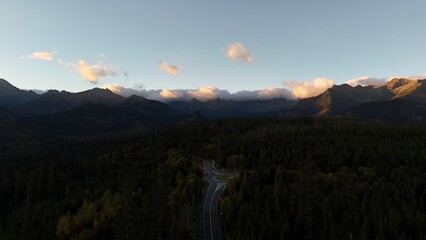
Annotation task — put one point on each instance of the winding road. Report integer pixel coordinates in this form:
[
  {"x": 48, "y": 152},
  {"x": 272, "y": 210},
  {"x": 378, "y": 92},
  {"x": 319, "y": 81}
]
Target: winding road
[{"x": 211, "y": 225}]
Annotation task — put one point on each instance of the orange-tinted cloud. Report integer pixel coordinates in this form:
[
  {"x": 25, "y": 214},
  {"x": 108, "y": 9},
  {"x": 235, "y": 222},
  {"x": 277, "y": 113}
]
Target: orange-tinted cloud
[
  {"x": 308, "y": 88},
  {"x": 366, "y": 81},
  {"x": 202, "y": 94},
  {"x": 91, "y": 73},
  {"x": 48, "y": 56},
  {"x": 168, "y": 94},
  {"x": 168, "y": 68},
  {"x": 237, "y": 52}
]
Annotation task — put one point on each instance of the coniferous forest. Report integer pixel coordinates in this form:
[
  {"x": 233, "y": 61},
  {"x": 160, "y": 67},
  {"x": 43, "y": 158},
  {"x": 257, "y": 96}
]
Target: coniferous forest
[{"x": 300, "y": 178}]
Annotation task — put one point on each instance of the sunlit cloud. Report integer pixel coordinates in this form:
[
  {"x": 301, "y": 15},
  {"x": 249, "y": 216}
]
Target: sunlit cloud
[
  {"x": 168, "y": 68},
  {"x": 308, "y": 88},
  {"x": 419, "y": 77},
  {"x": 167, "y": 94},
  {"x": 47, "y": 56},
  {"x": 237, "y": 52},
  {"x": 91, "y": 73},
  {"x": 366, "y": 81},
  {"x": 118, "y": 90},
  {"x": 207, "y": 93}
]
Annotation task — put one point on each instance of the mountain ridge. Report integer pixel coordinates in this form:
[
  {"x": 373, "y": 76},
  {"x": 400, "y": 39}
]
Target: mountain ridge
[
  {"x": 11, "y": 96},
  {"x": 341, "y": 99},
  {"x": 364, "y": 102}
]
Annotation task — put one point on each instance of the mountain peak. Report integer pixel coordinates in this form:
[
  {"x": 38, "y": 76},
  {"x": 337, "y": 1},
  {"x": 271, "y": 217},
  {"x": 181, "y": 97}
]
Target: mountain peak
[
  {"x": 135, "y": 99},
  {"x": 50, "y": 92},
  {"x": 6, "y": 84},
  {"x": 398, "y": 82},
  {"x": 12, "y": 96},
  {"x": 100, "y": 90},
  {"x": 194, "y": 100},
  {"x": 100, "y": 93}
]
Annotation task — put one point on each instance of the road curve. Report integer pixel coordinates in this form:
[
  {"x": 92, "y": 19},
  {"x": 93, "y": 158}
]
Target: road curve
[{"x": 211, "y": 226}]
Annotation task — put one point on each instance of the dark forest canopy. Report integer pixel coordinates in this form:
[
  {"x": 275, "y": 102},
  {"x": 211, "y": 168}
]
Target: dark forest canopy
[{"x": 300, "y": 178}]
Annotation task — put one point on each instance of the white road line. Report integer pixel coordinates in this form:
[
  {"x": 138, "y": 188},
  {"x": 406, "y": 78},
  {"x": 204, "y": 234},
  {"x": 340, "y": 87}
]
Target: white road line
[
  {"x": 212, "y": 173},
  {"x": 211, "y": 227},
  {"x": 217, "y": 219}
]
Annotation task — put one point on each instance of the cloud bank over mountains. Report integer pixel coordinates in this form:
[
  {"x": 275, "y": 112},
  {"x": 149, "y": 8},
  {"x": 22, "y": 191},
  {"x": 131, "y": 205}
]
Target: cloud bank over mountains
[
  {"x": 291, "y": 90},
  {"x": 371, "y": 81},
  {"x": 308, "y": 88},
  {"x": 202, "y": 94}
]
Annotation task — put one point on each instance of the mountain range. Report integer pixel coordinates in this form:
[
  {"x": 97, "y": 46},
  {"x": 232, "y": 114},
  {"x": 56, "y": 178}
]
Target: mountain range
[
  {"x": 100, "y": 110},
  {"x": 382, "y": 102}
]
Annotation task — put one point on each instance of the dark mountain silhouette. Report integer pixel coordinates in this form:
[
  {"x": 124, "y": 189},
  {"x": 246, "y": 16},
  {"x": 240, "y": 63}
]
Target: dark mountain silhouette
[
  {"x": 135, "y": 115},
  {"x": 54, "y": 101},
  {"x": 12, "y": 96},
  {"x": 219, "y": 108},
  {"x": 399, "y": 100}
]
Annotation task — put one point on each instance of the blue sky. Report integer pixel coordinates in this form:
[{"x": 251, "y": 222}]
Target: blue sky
[{"x": 289, "y": 40}]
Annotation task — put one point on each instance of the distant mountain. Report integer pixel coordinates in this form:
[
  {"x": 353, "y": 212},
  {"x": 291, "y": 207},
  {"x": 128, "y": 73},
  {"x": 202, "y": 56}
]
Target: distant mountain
[
  {"x": 397, "y": 110},
  {"x": 134, "y": 115},
  {"x": 219, "y": 108},
  {"x": 347, "y": 100},
  {"x": 337, "y": 100},
  {"x": 54, "y": 101},
  {"x": 157, "y": 111},
  {"x": 410, "y": 90},
  {"x": 12, "y": 96},
  {"x": 399, "y": 100}
]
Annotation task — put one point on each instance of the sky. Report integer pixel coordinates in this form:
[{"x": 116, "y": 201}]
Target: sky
[{"x": 303, "y": 46}]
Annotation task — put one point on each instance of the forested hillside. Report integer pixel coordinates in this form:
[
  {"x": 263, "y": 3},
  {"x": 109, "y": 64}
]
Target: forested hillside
[
  {"x": 300, "y": 178},
  {"x": 323, "y": 179},
  {"x": 124, "y": 189}
]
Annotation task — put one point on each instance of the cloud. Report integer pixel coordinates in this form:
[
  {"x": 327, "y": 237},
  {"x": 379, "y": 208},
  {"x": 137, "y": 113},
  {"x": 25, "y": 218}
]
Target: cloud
[
  {"x": 264, "y": 94},
  {"x": 167, "y": 94},
  {"x": 237, "y": 52},
  {"x": 413, "y": 77},
  {"x": 137, "y": 90},
  {"x": 308, "y": 88},
  {"x": 208, "y": 93},
  {"x": 169, "y": 68},
  {"x": 91, "y": 73},
  {"x": 419, "y": 77},
  {"x": 38, "y": 91},
  {"x": 203, "y": 94},
  {"x": 48, "y": 56},
  {"x": 366, "y": 81}
]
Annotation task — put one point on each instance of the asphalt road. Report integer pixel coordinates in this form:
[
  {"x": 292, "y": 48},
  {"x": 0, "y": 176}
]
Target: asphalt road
[{"x": 211, "y": 225}]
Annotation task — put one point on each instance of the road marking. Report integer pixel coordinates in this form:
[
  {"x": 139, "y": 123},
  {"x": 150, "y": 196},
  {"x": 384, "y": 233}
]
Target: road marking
[
  {"x": 219, "y": 185},
  {"x": 217, "y": 219},
  {"x": 211, "y": 227},
  {"x": 211, "y": 174}
]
